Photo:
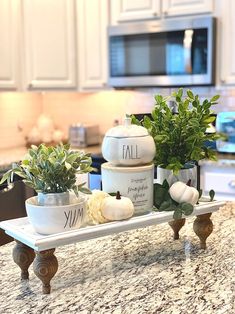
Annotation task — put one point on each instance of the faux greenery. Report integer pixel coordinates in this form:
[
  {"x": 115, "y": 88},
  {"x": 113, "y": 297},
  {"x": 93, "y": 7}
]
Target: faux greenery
[
  {"x": 51, "y": 169},
  {"x": 164, "y": 202},
  {"x": 180, "y": 138}
]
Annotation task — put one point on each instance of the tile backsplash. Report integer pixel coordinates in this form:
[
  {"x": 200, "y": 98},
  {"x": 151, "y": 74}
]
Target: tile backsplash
[{"x": 19, "y": 111}]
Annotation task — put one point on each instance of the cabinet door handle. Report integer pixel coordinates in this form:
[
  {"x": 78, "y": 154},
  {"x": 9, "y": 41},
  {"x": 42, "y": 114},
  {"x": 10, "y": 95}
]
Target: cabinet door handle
[{"x": 232, "y": 184}]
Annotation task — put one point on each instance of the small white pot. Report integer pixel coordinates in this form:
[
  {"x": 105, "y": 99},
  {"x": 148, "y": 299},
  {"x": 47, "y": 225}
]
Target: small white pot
[
  {"x": 133, "y": 182},
  {"x": 51, "y": 219},
  {"x": 53, "y": 198},
  {"x": 184, "y": 175}
]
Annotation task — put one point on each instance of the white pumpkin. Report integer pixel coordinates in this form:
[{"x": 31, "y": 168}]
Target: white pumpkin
[
  {"x": 128, "y": 145},
  {"x": 181, "y": 192},
  {"x": 117, "y": 207}
]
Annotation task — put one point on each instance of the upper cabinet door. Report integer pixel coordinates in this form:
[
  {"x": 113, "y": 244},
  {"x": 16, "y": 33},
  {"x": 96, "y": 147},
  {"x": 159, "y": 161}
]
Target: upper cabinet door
[
  {"x": 49, "y": 30},
  {"x": 184, "y": 7},
  {"x": 92, "y": 22},
  {"x": 9, "y": 44},
  {"x": 131, "y": 10}
]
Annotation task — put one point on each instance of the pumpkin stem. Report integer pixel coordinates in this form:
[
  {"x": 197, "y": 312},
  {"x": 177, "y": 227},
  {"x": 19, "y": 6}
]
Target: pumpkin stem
[
  {"x": 118, "y": 195},
  {"x": 189, "y": 182}
]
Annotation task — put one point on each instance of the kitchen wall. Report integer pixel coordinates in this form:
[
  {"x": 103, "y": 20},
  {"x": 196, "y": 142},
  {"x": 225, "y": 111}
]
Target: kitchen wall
[
  {"x": 19, "y": 111},
  {"x": 97, "y": 108}
]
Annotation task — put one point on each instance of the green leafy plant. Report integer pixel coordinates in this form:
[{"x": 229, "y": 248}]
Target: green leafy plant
[
  {"x": 180, "y": 138},
  {"x": 51, "y": 169}
]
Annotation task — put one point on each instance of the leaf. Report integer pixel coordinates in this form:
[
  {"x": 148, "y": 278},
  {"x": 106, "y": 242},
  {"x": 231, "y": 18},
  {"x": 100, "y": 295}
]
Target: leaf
[
  {"x": 68, "y": 165},
  {"x": 214, "y": 98},
  {"x": 161, "y": 194},
  {"x": 6, "y": 176},
  {"x": 212, "y": 194},
  {"x": 177, "y": 214},
  {"x": 208, "y": 119},
  {"x": 180, "y": 92},
  {"x": 190, "y": 94},
  {"x": 186, "y": 208},
  {"x": 167, "y": 206},
  {"x": 112, "y": 193},
  {"x": 165, "y": 184},
  {"x": 134, "y": 120},
  {"x": 85, "y": 190},
  {"x": 158, "y": 98}
]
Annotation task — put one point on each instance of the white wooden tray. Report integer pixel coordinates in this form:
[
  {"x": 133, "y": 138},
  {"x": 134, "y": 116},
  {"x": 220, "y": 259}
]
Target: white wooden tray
[{"x": 21, "y": 230}]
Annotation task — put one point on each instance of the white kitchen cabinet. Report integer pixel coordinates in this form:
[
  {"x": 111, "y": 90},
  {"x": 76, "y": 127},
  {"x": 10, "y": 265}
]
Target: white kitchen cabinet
[
  {"x": 9, "y": 45},
  {"x": 136, "y": 10},
  {"x": 132, "y": 10},
  {"x": 220, "y": 177},
  {"x": 186, "y": 7},
  {"x": 92, "y": 22},
  {"x": 49, "y": 44}
]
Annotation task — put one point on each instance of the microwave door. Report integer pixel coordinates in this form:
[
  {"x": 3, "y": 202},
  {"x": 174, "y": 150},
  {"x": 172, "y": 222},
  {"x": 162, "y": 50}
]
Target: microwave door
[{"x": 166, "y": 56}]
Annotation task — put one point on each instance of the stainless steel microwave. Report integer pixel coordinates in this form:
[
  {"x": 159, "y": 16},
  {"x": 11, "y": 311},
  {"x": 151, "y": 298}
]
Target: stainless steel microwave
[{"x": 171, "y": 52}]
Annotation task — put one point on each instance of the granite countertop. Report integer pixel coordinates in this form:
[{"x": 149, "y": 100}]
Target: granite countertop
[{"x": 140, "y": 271}]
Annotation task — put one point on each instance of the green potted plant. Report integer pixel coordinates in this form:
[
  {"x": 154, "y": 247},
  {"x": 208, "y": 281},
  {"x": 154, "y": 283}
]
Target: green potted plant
[
  {"x": 180, "y": 138},
  {"x": 52, "y": 171}
]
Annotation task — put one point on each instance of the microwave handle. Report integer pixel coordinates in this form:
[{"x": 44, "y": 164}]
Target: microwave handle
[{"x": 188, "y": 40}]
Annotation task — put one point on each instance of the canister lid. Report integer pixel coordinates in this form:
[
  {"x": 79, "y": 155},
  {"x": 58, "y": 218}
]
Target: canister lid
[{"x": 127, "y": 130}]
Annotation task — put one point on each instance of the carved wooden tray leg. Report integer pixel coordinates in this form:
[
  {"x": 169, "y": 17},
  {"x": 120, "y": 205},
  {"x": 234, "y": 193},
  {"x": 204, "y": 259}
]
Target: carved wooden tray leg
[
  {"x": 23, "y": 256},
  {"x": 203, "y": 227},
  {"x": 45, "y": 267},
  {"x": 176, "y": 225}
]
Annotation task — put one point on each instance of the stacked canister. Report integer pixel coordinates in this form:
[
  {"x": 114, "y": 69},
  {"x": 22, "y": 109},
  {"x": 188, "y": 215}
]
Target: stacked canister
[{"x": 130, "y": 151}]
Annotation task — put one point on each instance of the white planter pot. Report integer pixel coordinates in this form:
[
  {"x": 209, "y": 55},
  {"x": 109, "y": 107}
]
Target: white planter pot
[
  {"x": 53, "y": 198},
  {"x": 184, "y": 175},
  {"x": 133, "y": 182},
  {"x": 51, "y": 219}
]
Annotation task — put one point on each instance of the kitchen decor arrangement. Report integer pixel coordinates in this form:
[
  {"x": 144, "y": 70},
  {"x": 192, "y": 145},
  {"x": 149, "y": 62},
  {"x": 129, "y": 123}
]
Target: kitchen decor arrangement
[
  {"x": 51, "y": 172},
  {"x": 129, "y": 150}
]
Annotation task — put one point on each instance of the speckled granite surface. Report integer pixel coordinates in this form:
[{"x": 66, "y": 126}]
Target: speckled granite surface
[{"x": 141, "y": 271}]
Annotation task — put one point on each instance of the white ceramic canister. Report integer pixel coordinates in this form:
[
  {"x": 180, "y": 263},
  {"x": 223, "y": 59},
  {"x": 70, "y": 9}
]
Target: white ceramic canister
[
  {"x": 133, "y": 182},
  {"x": 128, "y": 145}
]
